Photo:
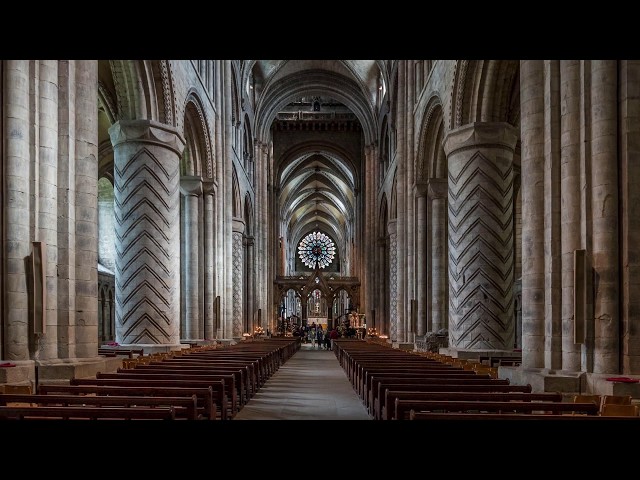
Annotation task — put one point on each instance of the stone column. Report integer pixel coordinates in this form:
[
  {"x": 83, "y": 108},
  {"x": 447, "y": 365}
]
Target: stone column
[
  {"x": 480, "y": 165},
  {"x": 393, "y": 281},
  {"x": 571, "y": 204},
  {"x": 191, "y": 189},
  {"x": 86, "y": 224},
  {"x": 439, "y": 293},
  {"x": 420, "y": 191},
  {"x": 66, "y": 317},
  {"x": 630, "y": 214},
  {"x": 147, "y": 211},
  {"x": 208, "y": 190},
  {"x": 238, "y": 231},
  {"x": 532, "y": 104},
  {"x": 604, "y": 212},
  {"x": 250, "y": 278},
  {"x": 16, "y": 244},
  {"x": 48, "y": 198},
  {"x": 382, "y": 322}
]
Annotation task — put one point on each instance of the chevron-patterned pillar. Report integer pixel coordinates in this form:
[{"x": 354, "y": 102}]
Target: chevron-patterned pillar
[
  {"x": 480, "y": 168},
  {"x": 147, "y": 215},
  {"x": 393, "y": 280},
  {"x": 237, "y": 276}
]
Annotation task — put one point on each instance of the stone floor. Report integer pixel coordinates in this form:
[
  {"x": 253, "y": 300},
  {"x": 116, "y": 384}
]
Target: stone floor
[{"x": 311, "y": 385}]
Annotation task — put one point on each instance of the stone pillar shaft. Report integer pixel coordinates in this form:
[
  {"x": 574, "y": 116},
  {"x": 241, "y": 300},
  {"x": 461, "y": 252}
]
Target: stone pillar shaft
[
  {"x": 533, "y": 212},
  {"x": 604, "y": 211},
  {"x": 147, "y": 213},
  {"x": 17, "y": 244},
  {"x": 191, "y": 188},
  {"x": 480, "y": 163},
  {"x": 86, "y": 265},
  {"x": 250, "y": 278},
  {"x": 48, "y": 198},
  {"x": 209, "y": 259},
  {"x": 571, "y": 204},
  {"x": 439, "y": 293},
  {"x": 421, "y": 259}
]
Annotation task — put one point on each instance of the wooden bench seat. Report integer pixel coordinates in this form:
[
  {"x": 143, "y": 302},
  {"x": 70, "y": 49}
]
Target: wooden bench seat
[
  {"x": 372, "y": 388},
  {"x": 87, "y": 413},
  {"x": 459, "y": 416},
  {"x": 186, "y": 407},
  {"x": 216, "y": 385},
  {"x": 211, "y": 403},
  {"x": 404, "y": 406},
  {"x": 379, "y": 384},
  {"x": 390, "y": 396},
  {"x": 233, "y": 390}
]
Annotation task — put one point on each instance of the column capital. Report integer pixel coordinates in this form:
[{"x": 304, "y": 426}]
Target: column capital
[
  {"x": 238, "y": 225},
  {"x": 420, "y": 188},
  {"x": 209, "y": 186},
  {"x": 392, "y": 226},
  {"x": 438, "y": 188},
  {"x": 481, "y": 134},
  {"x": 191, "y": 185},
  {"x": 146, "y": 131},
  {"x": 249, "y": 241}
]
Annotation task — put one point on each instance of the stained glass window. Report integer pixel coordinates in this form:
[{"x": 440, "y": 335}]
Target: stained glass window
[{"x": 316, "y": 247}]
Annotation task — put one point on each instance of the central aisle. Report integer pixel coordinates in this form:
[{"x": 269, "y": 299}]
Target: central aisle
[{"x": 311, "y": 385}]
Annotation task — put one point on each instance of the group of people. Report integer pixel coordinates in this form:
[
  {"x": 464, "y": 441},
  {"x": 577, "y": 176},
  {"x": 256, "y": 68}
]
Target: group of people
[{"x": 317, "y": 336}]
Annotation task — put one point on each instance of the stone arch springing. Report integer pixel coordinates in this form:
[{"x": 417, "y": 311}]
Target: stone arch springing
[{"x": 197, "y": 156}]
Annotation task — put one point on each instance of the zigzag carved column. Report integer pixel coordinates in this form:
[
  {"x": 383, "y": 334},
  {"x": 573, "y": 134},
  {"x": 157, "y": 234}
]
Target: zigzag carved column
[
  {"x": 237, "y": 274},
  {"x": 480, "y": 168},
  {"x": 147, "y": 215},
  {"x": 393, "y": 280}
]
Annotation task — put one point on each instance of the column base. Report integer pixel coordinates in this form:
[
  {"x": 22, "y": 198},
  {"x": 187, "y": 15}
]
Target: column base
[
  {"x": 60, "y": 371},
  {"x": 544, "y": 379},
  {"x": 465, "y": 354}
]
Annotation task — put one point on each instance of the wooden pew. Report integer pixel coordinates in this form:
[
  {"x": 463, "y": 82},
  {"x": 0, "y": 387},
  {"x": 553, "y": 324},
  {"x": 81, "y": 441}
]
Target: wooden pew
[
  {"x": 390, "y": 396},
  {"x": 372, "y": 388},
  {"x": 87, "y": 413},
  {"x": 208, "y": 399},
  {"x": 216, "y": 385},
  {"x": 403, "y": 407},
  {"x": 231, "y": 386},
  {"x": 459, "y": 416},
  {"x": 379, "y": 385},
  {"x": 185, "y": 407}
]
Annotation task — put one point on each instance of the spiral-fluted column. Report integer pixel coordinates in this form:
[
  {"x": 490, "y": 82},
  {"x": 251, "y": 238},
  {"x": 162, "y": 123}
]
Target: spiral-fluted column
[
  {"x": 533, "y": 212},
  {"x": 208, "y": 190},
  {"x": 439, "y": 294},
  {"x": 147, "y": 213},
  {"x": 191, "y": 189},
  {"x": 480, "y": 168}
]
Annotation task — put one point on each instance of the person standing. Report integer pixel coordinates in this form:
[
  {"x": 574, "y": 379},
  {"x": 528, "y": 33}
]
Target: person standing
[
  {"x": 332, "y": 336},
  {"x": 319, "y": 336}
]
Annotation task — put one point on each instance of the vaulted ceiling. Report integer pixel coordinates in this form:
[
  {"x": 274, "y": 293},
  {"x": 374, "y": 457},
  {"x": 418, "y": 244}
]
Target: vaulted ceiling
[{"x": 317, "y": 178}]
